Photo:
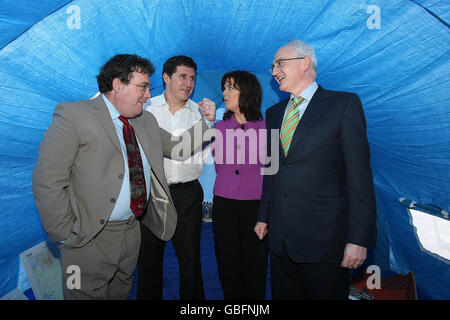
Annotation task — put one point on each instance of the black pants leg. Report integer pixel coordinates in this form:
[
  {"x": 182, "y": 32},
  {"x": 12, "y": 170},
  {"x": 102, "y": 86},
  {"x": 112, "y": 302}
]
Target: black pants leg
[
  {"x": 310, "y": 281},
  {"x": 241, "y": 256},
  {"x": 188, "y": 200},
  {"x": 150, "y": 266},
  {"x": 254, "y": 253}
]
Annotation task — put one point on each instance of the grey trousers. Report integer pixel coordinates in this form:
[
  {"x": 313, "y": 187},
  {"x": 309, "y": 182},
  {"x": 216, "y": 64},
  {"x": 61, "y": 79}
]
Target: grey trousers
[{"x": 106, "y": 263}]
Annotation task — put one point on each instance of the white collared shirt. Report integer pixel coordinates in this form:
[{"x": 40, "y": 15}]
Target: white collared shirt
[
  {"x": 122, "y": 210},
  {"x": 183, "y": 119},
  {"x": 307, "y": 94}
]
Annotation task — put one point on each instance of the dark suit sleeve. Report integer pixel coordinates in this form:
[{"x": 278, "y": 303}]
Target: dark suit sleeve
[
  {"x": 263, "y": 214},
  {"x": 362, "y": 205}
]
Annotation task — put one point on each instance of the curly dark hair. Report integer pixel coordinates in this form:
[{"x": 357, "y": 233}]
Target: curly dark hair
[
  {"x": 250, "y": 96},
  {"x": 122, "y": 66}
]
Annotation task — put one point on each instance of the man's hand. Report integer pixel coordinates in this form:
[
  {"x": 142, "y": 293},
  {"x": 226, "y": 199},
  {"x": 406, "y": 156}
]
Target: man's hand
[
  {"x": 208, "y": 108},
  {"x": 260, "y": 229},
  {"x": 354, "y": 256}
]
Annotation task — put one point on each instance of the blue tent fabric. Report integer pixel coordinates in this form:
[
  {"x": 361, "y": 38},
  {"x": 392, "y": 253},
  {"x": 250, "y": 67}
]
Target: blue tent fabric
[{"x": 394, "y": 54}]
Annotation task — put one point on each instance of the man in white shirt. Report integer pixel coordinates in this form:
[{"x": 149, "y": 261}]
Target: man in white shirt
[{"x": 175, "y": 112}]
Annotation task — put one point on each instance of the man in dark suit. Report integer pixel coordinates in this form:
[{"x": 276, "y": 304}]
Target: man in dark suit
[{"x": 319, "y": 208}]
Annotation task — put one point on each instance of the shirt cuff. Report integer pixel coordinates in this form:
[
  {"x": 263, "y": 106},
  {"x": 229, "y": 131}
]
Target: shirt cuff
[{"x": 210, "y": 124}]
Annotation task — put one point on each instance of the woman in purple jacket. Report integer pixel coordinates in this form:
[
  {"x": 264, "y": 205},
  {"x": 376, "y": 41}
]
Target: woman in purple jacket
[{"x": 239, "y": 150}]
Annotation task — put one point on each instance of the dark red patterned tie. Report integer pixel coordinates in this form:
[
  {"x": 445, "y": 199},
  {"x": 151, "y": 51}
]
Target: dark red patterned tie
[{"x": 138, "y": 191}]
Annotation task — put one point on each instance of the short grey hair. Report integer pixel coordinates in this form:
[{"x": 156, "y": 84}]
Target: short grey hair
[{"x": 304, "y": 49}]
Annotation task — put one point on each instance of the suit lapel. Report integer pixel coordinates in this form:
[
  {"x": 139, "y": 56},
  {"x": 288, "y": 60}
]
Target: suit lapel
[
  {"x": 142, "y": 137},
  {"x": 312, "y": 113},
  {"x": 153, "y": 156},
  {"x": 102, "y": 114}
]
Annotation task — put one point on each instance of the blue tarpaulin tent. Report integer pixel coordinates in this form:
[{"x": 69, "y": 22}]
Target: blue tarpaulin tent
[{"x": 394, "y": 54}]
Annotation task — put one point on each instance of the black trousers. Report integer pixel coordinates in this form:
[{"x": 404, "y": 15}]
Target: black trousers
[
  {"x": 188, "y": 198},
  {"x": 241, "y": 256},
  {"x": 307, "y": 281}
]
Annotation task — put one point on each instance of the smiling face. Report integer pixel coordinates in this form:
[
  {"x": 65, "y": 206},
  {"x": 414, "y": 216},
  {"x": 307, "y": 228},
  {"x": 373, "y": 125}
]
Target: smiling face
[
  {"x": 181, "y": 84},
  {"x": 130, "y": 97},
  {"x": 290, "y": 74}
]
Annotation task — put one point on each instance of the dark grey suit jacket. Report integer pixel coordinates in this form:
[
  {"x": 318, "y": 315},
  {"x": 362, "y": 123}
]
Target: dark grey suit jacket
[{"x": 322, "y": 196}]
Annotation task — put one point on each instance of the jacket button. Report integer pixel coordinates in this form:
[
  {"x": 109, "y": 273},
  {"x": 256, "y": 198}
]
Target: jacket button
[
  {"x": 102, "y": 221},
  {"x": 285, "y": 195},
  {"x": 113, "y": 200},
  {"x": 237, "y": 172},
  {"x": 121, "y": 176}
]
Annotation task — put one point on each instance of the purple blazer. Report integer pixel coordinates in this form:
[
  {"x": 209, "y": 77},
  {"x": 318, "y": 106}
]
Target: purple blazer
[{"x": 238, "y": 152}]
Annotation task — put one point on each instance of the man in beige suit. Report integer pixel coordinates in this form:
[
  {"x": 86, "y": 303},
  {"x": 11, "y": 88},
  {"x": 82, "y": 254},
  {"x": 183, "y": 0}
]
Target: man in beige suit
[{"x": 81, "y": 181}]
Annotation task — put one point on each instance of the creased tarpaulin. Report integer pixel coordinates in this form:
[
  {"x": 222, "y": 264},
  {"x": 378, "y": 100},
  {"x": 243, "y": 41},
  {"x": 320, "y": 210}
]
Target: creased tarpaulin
[{"x": 394, "y": 54}]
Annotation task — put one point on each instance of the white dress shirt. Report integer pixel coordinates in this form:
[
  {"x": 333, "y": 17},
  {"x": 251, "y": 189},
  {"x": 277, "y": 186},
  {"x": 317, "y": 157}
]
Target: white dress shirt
[
  {"x": 122, "y": 210},
  {"x": 307, "y": 94},
  {"x": 183, "y": 119}
]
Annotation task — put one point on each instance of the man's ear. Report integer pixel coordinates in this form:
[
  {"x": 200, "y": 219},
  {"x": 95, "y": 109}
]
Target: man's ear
[
  {"x": 166, "y": 78},
  {"x": 116, "y": 84},
  {"x": 308, "y": 64}
]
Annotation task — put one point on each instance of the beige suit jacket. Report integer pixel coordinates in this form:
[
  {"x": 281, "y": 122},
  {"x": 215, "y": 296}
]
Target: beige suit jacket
[{"x": 79, "y": 173}]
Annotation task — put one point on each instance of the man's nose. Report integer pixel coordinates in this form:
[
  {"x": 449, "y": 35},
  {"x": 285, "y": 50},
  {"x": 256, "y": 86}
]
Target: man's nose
[
  {"x": 274, "y": 71},
  {"x": 147, "y": 93}
]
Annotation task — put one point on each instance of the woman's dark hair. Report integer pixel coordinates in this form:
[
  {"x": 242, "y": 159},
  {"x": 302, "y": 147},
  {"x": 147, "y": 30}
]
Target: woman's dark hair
[
  {"x": 250, "y": 96},
  {"x": 122, "y": 66},
  {"x": 170, "y": 66}
]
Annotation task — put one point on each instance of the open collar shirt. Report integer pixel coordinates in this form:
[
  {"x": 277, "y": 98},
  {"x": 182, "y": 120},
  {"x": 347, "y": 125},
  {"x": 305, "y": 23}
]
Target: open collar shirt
[{"x": 183, "y": 119}]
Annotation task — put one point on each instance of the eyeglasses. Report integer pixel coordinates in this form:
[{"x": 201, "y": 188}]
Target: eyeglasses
[
  {"x": 280, "y": 63},
  {"x": 143, "y": 87}
]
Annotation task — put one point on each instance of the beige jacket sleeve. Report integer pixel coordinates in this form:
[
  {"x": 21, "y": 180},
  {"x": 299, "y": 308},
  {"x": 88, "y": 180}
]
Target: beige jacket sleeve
[
  {"x": 52, "y": 173},
  {"x": 193, "y": 140}
]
